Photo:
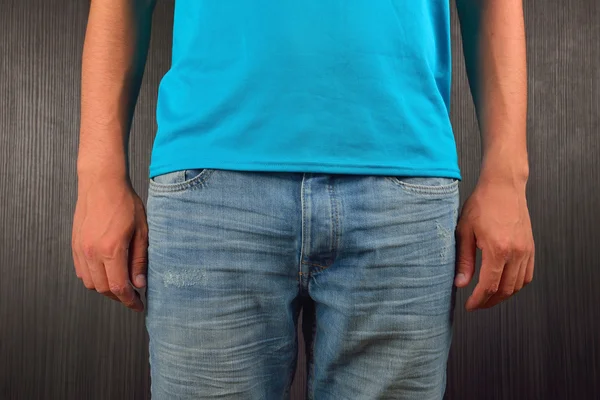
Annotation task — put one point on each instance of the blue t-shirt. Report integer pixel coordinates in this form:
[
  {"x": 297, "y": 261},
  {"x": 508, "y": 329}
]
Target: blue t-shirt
[{"x": 358, "y": 87}]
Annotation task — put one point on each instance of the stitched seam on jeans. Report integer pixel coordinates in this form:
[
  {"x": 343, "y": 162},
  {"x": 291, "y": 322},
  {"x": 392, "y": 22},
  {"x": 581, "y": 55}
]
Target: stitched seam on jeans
[
  {"x": 336, "y": 223},
  {"x": 180, "y": 187},
  {"x": 315, "y": 264},
  {"x": 302, "y": 228},
  {"x": 422, "y": 189},
  {"x": 449, "y": 186}
]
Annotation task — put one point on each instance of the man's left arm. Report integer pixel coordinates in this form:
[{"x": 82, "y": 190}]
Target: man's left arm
[{"x": 495, "y": 218}]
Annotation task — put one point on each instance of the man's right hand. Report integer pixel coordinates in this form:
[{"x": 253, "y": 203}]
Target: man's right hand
[{"x": 110, "y": 239}]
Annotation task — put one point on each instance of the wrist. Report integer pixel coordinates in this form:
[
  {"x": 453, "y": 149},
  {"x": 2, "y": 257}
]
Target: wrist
[
  {"x": 105, "y": 170},
  {"x": 513, "y": 174},
  {"x": 505, "y": 163}
]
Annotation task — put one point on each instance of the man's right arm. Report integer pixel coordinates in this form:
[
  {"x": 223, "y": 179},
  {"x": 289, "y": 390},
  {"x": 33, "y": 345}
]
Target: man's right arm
[
  {"x": 114, "y": 56},
  {"x": 109, "y": 238}
]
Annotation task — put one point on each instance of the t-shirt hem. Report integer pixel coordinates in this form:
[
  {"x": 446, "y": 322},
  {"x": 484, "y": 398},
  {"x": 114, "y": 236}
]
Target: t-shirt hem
[{"x": 317, "y": 167}]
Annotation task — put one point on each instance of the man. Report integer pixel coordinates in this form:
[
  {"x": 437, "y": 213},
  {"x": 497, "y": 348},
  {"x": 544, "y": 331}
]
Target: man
[{"x": 304, "y": 159}]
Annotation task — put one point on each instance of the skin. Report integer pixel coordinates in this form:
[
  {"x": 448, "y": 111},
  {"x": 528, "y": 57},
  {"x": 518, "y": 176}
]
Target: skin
[
  {"x": 110, "y": 232},
  {"x": 495, "y": 218}
]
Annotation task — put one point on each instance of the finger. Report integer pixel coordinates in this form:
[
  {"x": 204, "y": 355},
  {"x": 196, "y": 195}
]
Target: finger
[
  {"x": 111, "y": 296},
  {"x": 75, "y": 240},
  {"x": 74, "y": 246},
  {"x": 530, "y": 267},
  {"x": 85, "y": 253},
  {"x": 507, "y": 284},
  {"x": 99, "y": 277},
  {"x": 489, "y": 280},
  {"x": 96, "y": 268},
  {"x": 87, "y": 279},
  {"x": 138, "y": 257},
  {"x": 76, "y": 263},
  {"x": 522, "y": 271},
  {"x": 79, "y": 261},
  {"x": 465, "y": 255},
  {"x": 84, "y": 272},
  {"x": 79, "y": 256},
  {"x": 118, "y": 280},
  {"x": 99, "y": 280}
]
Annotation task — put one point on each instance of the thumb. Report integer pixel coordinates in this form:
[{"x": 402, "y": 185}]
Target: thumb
[
  {"x": 138, "y": 257},
  {"x": 465, "y": 254}
]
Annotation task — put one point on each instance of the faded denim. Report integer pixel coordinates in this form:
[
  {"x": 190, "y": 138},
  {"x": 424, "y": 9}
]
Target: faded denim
[{"x": 234, "y": 255}]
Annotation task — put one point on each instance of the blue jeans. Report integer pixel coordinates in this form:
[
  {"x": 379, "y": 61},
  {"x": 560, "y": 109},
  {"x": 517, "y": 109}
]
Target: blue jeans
[{"x": 234, "y": 256}]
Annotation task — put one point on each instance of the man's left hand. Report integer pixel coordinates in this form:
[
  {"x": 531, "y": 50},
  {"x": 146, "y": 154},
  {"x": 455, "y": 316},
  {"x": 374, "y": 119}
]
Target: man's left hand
[{"x": 495, "y": 219}]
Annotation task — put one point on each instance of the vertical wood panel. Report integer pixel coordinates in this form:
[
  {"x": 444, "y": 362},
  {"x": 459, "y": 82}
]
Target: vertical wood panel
[
  {"x": 545, "y": 342},
  {"x": 60, "y": 341}
]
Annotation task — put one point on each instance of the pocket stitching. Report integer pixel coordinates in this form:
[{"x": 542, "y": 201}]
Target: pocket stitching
[
  {"x": 199, "y": 179},
  {"x": 423, "y": 189}
]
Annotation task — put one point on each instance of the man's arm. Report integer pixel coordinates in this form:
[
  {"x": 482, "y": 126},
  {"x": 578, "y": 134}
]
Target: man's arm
[
  {"x": 113, "y": 62},
  {"x": 109, "y": 238},
  {"x": 493, "y": 36},
  {"x": 495, "y": 218}
]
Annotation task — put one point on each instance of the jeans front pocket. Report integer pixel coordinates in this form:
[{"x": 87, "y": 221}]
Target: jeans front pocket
[
  {"x": 426, "y": 185},
  {"x": 180, "y": 180}
]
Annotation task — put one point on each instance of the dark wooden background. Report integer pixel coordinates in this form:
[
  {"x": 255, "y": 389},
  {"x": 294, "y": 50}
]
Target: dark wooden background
[{"x": 60, "y": 341}]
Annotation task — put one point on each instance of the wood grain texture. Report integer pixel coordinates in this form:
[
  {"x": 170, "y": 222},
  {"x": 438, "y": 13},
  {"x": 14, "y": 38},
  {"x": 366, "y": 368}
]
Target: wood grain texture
[
  {"x": 544, "y": 343},
  {"x": 60, "y": 341}
]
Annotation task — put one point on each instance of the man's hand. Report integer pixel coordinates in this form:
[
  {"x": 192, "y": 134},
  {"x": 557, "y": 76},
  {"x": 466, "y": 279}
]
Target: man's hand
[
  {"x": 496, "y": 220},
  {"x": 110, "y": 239},
  {"x": 110, "y": 232}
]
